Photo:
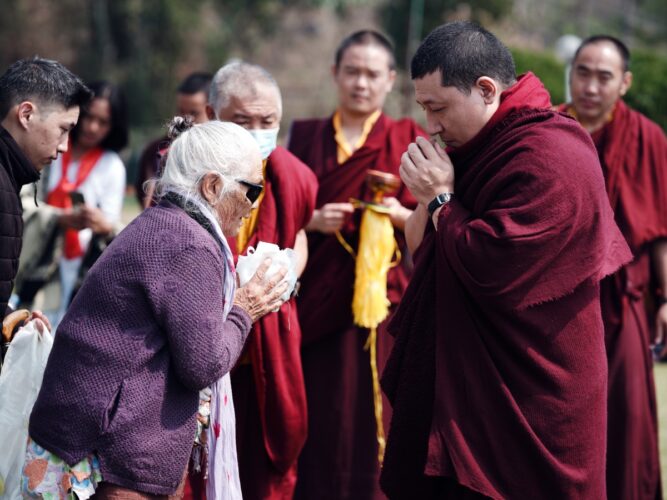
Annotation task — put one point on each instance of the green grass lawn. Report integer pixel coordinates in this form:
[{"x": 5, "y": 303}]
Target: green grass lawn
[{"x": 661, "y": 389}]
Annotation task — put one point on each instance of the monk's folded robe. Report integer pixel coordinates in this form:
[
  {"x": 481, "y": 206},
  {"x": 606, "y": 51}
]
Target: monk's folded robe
[{"x": 498, "y": 376}]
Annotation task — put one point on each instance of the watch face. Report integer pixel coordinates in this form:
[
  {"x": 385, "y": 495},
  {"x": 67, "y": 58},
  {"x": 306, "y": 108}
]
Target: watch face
[{"x": 444, "y": 198}]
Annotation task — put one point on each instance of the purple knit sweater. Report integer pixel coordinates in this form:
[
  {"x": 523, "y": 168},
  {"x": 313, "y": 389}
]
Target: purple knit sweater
[{"x": 143, "y": 335}]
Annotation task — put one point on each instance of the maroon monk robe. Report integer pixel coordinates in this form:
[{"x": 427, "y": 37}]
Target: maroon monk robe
[
  {"x": 633, "y": 154},
  {"x": 339, "y": 459},
  {"x": 498, "y": 377},
  {"x": 269, "y": 393}
]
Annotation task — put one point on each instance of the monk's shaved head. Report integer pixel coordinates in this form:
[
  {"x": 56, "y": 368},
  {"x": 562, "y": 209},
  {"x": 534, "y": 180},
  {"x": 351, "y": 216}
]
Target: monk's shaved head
[{"x": 239, "y": 79}]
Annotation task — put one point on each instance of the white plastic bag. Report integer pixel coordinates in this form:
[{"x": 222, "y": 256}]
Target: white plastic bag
[
  {"x": 20, "y": 380},
  {"x": 248, "y": 264}
]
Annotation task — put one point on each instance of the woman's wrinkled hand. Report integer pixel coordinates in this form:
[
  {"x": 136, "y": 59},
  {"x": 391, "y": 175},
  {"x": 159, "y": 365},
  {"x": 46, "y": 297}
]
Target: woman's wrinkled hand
[{"x": 262, "y": 294}]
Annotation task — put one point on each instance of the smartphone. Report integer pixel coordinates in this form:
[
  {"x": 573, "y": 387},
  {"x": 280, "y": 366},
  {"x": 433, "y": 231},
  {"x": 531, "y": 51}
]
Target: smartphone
[{"x": 77, "y": 198}]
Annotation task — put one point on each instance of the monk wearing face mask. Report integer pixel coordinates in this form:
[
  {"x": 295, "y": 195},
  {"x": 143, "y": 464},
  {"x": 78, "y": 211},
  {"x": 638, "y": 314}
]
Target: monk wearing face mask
[{"x": 269, "y": 392}]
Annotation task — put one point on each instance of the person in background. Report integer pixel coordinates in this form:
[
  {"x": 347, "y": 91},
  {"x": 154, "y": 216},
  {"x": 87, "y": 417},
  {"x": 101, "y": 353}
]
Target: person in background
[
  {"x": 633, "y": 154},
  {"x": 158, "y": 320},
  {"x": 268, "y": 382},
  {"x": 40, "y": 101},
  {"x": 498, "y": 377},
  {"x": 191, "y": 99},
  {"x": 341, "y": 455},
  {"x": 82, "y": 195}
]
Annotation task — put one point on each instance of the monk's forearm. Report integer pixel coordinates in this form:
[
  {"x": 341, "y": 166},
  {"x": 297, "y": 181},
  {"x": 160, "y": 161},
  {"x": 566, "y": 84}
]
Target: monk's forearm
[
  {"x": 659, "y": 258},
  {"x": 414, "y": 228},
  {"x": 301, "y": 250}
]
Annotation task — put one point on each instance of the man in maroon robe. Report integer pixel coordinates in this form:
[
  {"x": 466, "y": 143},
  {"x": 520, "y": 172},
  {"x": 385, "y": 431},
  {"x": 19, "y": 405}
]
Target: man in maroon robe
[
  {"x": 267, "y": 383},
  {"x": 340, "y": 458},
  {"x": 633, "y": 154},
  {"x": 498, "y": 375}
]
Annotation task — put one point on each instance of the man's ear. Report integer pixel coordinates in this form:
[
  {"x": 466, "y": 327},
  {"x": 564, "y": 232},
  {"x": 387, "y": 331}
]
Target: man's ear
[
  {"x": 209, "y": 112},
  {"x": 26, "y": 112},
  {"x": 488, "y": 89},
  {"x": 626, "y": 83}
]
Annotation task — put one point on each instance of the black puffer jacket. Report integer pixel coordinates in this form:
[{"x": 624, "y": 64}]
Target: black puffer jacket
[{"x": 15, "y": 171}]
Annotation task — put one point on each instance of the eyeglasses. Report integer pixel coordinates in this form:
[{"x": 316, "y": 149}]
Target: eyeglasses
[{"x": 254, "y": 190}]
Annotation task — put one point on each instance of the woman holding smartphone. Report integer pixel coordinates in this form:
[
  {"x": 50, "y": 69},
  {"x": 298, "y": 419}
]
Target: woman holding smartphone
[{"x": 83, "y": 189}]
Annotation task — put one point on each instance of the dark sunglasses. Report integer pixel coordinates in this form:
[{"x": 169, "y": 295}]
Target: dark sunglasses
[{"x": 254, "y": 190}]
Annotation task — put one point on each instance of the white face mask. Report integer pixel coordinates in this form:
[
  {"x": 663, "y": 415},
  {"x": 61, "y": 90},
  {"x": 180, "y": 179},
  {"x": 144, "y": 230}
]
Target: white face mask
[{"x": 266, "y": 140}]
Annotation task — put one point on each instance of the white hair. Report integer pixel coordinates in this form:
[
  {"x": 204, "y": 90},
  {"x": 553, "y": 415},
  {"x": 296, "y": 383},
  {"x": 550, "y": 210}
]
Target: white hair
[
  {"x": 237, "y": 78},
  {"x": 220, "y": 147}
]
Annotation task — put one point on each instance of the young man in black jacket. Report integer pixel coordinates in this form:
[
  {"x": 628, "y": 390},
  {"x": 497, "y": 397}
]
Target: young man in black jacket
[{"x": 39, "y": 105}]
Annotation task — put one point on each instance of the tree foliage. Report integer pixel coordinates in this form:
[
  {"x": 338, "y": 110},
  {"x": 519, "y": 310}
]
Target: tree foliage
[
  {"x": 416, "y": 18},
  {"x": 648, "y": 93},
  {"x": 546, "y": 67}
]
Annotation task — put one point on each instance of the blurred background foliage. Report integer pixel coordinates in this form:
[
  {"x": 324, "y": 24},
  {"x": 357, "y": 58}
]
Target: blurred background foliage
[{"x": 148, "y": 46}]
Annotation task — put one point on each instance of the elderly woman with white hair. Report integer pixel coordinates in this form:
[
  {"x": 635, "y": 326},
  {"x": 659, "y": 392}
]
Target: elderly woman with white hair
[{"x": 157, "y": 320}]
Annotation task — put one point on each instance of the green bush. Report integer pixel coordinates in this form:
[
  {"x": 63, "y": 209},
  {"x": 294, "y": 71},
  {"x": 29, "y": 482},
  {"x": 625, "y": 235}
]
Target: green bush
[
  {"x": 648, "y": 93},
  {"x": 546, "y": 67}
]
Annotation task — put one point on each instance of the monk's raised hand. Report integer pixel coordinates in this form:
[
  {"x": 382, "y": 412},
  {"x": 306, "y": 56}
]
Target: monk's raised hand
[
  {"x": 398, "y": 214},
  {"x": 330, "y": 217},
  {"x": 427, "y": 170},
  {"x": 262, "y": 293}
]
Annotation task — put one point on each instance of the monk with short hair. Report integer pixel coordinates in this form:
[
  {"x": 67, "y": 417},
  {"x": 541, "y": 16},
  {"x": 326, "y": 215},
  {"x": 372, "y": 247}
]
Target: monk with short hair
[
  {"x": 340, "y": 458},
  {"x": 633, "y": 154},
  {"x": 498, "y": 376}
]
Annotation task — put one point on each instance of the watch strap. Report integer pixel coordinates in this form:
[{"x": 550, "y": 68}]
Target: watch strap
[{"x": 438, "y": 201}]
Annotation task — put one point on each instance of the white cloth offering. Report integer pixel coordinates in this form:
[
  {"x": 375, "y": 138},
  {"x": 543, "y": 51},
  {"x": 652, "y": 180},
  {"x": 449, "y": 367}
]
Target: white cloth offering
[{"x": 248, "y": 264}]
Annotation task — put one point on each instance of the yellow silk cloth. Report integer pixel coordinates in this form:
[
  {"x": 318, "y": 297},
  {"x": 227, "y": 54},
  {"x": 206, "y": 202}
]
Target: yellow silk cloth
[
  {"x": 345, "y": 150},
  {"x": 370, "y": 305},
  {"x": 250, "y": 224},
  {"x": 377, "y": 248}
]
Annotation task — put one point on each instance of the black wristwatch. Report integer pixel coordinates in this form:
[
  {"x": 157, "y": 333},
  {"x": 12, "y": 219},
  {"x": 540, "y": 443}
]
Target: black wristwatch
[{"x": 438, "y": 201}]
